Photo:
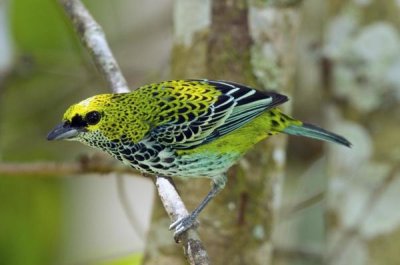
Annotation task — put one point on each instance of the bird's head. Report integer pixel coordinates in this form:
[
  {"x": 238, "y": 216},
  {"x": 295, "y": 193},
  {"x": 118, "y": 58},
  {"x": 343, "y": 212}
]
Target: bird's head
[
  {"x": 103, "y": 118},
  {"x": 83, "y": 118}
]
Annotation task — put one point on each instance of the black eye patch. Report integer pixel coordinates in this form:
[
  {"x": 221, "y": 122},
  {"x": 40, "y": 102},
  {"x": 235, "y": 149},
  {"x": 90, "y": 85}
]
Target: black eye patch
[{"x": 78, "y": 122}]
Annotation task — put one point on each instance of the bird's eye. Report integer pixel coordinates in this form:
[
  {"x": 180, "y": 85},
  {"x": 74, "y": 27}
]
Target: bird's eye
[{"x": 93, "y": 117}]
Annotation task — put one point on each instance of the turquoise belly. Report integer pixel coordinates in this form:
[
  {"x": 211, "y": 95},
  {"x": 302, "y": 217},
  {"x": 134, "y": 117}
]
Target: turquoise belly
[{"x": 208, "y": 164}]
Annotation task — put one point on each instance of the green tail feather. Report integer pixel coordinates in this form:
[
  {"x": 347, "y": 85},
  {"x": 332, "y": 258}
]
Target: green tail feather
[{"x": 312, "y": 131}]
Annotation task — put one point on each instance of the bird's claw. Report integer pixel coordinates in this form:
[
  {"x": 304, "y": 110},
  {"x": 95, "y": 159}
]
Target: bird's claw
[{"x": 183, "y": 224}]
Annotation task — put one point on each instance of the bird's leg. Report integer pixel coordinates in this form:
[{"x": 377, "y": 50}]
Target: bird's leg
[{"x": 183, "y": 224}]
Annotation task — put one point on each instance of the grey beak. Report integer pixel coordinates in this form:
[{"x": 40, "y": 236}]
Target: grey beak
[{"x": 62, "y": 131}]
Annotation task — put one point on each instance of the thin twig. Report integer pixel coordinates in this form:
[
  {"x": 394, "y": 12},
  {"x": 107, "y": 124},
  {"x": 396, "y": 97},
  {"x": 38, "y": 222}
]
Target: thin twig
[
  {"x": 287, "y": 212},
  {"x": 192, "y": 245},
  {"x": 94, "y": 39},
  {"x": 54, "y": 169}
]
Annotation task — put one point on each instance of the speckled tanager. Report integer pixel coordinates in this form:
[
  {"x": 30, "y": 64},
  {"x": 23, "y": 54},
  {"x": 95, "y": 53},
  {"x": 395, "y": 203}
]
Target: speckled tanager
[{"x": 183, "y": 128}]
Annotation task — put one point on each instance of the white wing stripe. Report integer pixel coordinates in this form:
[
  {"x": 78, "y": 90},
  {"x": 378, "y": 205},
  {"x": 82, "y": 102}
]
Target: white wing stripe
[{"x": 251, "y": 92}]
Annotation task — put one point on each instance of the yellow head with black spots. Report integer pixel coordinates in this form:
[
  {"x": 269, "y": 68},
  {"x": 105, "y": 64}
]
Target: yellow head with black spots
[
  {"x": 106, "y": 116},
  {"x": 88, "y": 113}
]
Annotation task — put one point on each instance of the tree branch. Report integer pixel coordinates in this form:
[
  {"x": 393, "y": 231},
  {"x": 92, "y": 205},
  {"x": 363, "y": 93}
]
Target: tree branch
[
  {"x": 192, "y": 245},
  {"x": 47, "y": 169},
  {"x": 93, "y": 37}
]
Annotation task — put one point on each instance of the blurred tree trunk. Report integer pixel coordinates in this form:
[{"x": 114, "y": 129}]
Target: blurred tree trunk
[
  {"x": 349, "y": 82},
  {"x": 362, "y": 64},
  {"x": 229, "y": 40}
]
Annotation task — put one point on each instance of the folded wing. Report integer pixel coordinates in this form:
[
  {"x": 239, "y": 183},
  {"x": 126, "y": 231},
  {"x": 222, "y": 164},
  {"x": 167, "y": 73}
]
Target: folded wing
[{"x": 235, "y": 106}]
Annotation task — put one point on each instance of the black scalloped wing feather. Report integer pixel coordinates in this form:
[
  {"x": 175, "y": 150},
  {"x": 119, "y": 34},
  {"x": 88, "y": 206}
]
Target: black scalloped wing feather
[{"x": 236, "y": 106}]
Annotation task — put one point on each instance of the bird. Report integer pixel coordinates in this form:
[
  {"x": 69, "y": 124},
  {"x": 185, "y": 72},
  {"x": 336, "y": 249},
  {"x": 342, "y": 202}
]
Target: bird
[{"x": 191, "y": 128}]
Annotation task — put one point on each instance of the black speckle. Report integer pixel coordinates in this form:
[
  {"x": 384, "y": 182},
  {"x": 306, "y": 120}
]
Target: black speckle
[
  {"x": 195, "y": 129},
  {"x": 144, "y": 166},
  {"x": 180, "y": 119},
  {"x": 158, "y": 166},
  {"x": 187, "y": 133},
  {"x": 118, "y": 157},
  {"x": 191, "y": 116},
  {"x": 130, "y": 158},
  {"x": 139, "y": 157},
  {"x": 191, "y": 105},
  {"x": 156, "y": 159},
  {"x": 183, "y": 110},
  {"x": 151, "y": 152},
  {"x": 126, "y": 151},
  {"x": 275, "y": 123},
  {"x": 179, "y": 138},
  {"x": 168, "y": 160},
  {"x": 158, "y": 148},
  {"x": 169, "y": 99}
]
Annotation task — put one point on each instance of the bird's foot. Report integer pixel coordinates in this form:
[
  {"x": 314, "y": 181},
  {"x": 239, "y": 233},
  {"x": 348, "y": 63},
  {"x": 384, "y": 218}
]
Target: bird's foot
[{"x": 183, "y": 224}]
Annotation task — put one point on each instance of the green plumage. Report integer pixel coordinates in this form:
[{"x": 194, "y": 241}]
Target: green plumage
[{"x": 184, "y": 128}]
